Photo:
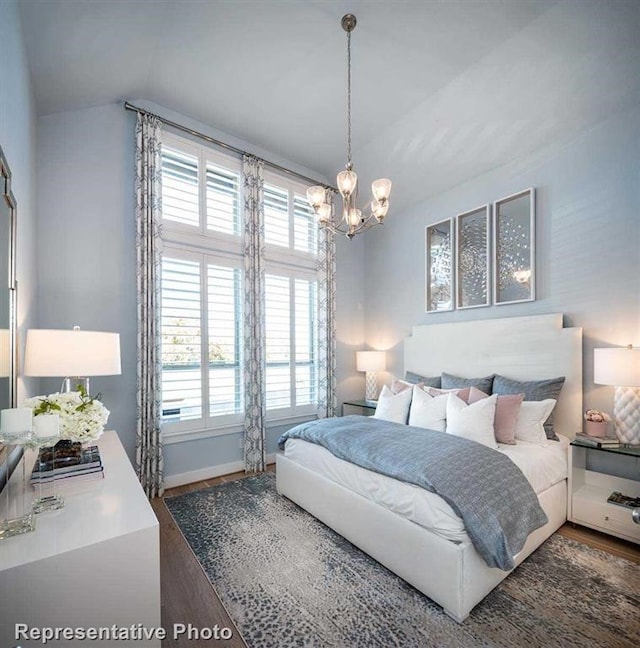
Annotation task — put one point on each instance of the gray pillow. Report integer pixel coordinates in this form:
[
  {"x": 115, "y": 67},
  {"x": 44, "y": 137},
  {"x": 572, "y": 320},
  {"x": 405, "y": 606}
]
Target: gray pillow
[
  {"x": 449, "y": 381},
  {"x": 433, "y": 381},
  {"x": 533, "y": 390}
]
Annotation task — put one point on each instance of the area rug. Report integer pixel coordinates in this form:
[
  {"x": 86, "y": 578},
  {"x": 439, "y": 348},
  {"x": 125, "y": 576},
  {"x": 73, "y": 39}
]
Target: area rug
[{"x": 288, "y": 580}]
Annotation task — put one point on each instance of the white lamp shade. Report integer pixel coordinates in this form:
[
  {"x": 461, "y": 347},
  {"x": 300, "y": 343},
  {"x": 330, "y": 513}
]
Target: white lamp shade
[
  {"x": 617, "y": 366},
  {"x": 370, "y": 360},
  {"x": 71, "y": 353}
]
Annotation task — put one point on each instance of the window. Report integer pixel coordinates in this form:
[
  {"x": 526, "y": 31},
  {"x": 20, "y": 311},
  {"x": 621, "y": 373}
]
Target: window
[
  {"x": 289, "y": 221},
  {"x": 290, "y": 342},
  {"x": 187, "y": 345},
  {"x": 202, "y": 293},
  {"x": 181, "y": 339}
]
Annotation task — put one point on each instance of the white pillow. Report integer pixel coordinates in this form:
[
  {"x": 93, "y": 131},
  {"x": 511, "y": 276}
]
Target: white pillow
[
  {"x": 474, "y": 422},
  {"x": 428, "y": 411},
  {"x": 393, "y": 407},
  {"x": 531, "y": 418}
]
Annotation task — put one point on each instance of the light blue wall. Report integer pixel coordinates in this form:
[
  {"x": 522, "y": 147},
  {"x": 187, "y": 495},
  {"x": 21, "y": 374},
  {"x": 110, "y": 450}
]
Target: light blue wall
[
  {"x": 86, "y": 255},
  {"x": 18, "y": 141},
  {"x": 588, "y": 245}
]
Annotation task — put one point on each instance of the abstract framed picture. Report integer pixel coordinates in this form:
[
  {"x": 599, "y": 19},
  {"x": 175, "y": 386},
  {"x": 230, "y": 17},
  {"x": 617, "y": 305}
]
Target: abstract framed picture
[
  {"x": 472, "y": 258},
  {"x": 514, "y": 248},
  {"x": 439, "y": 267}
]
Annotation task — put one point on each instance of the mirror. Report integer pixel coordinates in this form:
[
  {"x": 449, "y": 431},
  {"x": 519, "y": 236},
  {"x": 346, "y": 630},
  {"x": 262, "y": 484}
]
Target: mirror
[
  {"x": 8, "y": 355},
  {"x": 439, "y": 266},
  {"x": 514, "y": 243},
  {"x": 472, "y": 258}
]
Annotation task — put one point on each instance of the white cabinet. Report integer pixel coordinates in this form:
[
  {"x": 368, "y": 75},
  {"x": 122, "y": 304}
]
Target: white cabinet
[
  {"x": 589, "y": 490},
  {"x": 95, "y": 563}
]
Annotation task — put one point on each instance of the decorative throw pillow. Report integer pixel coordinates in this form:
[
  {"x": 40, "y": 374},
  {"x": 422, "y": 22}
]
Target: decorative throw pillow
[
  {"x": 531, "y": 418},
  {"x": 507, "y": 409},
  {"x": 414, "y": 378},
  {"x": 428, "y": 411},
  {"x": 398, "y": 385},
  {"x": 449, "y": 381},
  {"x": 474, "y": 422},
  {"x": 460, "y": 393},
  {"x": 393, "y": 407},
  {"x": 533, "y": 390}
]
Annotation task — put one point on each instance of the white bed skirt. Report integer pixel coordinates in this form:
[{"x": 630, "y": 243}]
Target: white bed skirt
[{"x": 453, "y": 575}]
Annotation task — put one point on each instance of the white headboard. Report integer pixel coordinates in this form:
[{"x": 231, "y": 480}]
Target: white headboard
[{"x": 522, "y": 348}]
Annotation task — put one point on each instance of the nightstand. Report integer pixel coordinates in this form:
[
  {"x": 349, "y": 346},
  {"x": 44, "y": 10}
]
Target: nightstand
[
  {"x": 364, "y": 407},
  {"x": 589, "y": 489}
]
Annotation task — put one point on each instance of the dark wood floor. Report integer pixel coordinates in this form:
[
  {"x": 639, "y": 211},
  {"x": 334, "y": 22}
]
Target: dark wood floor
[{"x": 188, "y": 597}]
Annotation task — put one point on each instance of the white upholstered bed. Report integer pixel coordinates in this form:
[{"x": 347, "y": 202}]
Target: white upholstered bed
[{"x": 393, "y": 526}]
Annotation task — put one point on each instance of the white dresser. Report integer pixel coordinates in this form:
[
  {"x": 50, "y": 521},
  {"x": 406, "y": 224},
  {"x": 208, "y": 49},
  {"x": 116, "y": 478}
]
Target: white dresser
[{"x": 92, "y": 564}]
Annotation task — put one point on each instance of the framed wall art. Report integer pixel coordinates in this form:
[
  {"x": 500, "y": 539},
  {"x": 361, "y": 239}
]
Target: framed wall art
[
  {"x": 439, "y": 267},
  {"x": 514, "y": 248},
  {"x": 472, "y": 258}
]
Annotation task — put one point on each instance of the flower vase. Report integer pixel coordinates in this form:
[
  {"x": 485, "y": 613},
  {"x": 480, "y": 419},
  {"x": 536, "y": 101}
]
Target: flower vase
[{"x": 596, "y": 428}]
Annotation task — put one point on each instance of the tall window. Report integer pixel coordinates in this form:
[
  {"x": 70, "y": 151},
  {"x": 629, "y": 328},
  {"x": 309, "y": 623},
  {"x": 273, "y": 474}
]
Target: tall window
[{"x": 202, "y": 293}]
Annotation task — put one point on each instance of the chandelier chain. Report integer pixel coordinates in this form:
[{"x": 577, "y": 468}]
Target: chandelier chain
[{"x": 349, "y": 165}]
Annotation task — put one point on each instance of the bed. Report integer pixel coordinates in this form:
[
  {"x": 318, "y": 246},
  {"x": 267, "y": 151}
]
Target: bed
[{"x": 429, "y": 548}]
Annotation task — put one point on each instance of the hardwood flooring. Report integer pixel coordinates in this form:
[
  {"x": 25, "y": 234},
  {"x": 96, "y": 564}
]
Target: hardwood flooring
[{"x": 189, "y": 598}]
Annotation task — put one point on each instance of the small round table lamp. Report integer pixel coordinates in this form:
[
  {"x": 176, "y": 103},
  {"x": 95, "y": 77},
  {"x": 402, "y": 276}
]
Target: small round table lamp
[
  {"x": 371, "y": 362},
  {"x": 621, "y": 367}
]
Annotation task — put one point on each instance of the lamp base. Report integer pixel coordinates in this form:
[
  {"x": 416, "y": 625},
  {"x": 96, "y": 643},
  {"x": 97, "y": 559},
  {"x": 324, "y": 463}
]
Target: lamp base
[
  {"x": 626, "y": 414},
  {"x": 70, "y": 384},
  {"x": 371, "y": 382},
  {"x": 48, "y": 503},
  {"x": 17, "y": 526}
]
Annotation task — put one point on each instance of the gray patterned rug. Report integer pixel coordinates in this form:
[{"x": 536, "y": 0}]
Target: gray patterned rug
[{"x": 287, "y": 580}]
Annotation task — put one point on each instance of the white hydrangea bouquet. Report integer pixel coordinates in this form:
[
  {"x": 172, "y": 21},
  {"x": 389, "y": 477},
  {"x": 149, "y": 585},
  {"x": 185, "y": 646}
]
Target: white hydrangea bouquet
[{"x": 82, "y": 417}]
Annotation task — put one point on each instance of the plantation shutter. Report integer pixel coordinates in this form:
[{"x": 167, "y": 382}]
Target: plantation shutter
[
  {"x": 225, "y": 321},
  {"x": 181, "y": 345},
  {"x": 305, "y": 342},
  {"x": 278, "y": 341},
  {"x": 223, "y": 200},
  {"x": 305, "y": 228},
  {"x": 276, "y": 216},
  {"x": 180, "y": 202}
]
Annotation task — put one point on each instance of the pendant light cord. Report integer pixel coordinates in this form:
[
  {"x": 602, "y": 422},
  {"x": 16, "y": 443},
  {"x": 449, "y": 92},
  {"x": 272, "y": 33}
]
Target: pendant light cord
[{"x": 349, "y": 165}]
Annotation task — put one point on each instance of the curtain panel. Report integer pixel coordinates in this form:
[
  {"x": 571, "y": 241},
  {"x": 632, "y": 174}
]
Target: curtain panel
[
  {"x": 255, "y": 457},
  {"x": 326, "y": 323},
  {"x": 148, "y": 187}
]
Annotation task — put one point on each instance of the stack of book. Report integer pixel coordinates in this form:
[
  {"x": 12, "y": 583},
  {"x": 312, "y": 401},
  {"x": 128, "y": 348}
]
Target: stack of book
[
  {"x": 57, "y": 465},
  {"x": 597, "y": 442}
]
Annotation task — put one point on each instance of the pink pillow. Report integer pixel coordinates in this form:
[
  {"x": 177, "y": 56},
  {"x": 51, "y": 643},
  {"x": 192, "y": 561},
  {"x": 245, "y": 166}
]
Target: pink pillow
[
  {"x": 398, "y": 385},
  {"x": 507, "y": 409},
  {"x": 462, "y": 394}
]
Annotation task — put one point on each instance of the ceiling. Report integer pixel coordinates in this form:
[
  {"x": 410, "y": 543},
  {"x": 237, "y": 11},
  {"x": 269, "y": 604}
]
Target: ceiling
[{"x": 442, "y": 90}]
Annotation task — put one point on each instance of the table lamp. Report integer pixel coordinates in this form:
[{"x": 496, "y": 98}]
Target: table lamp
[
  {"x": 371, "y": 362},
  {"x": 73, "y": 354},
  {"x": 621, "y": 367}
]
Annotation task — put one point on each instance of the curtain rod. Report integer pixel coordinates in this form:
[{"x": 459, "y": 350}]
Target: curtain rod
[{"x": 224, "y": 145}]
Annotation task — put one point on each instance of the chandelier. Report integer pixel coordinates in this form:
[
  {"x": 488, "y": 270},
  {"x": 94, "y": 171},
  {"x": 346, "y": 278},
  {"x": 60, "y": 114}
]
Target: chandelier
[{"x": 352, "y": 219}]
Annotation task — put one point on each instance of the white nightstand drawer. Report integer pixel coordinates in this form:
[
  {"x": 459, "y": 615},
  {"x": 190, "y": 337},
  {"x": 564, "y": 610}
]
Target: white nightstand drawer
[{"x": 605, "y": 516}]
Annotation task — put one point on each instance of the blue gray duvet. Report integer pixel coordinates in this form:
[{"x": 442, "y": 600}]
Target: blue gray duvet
[{"x": 484, "y": 487}]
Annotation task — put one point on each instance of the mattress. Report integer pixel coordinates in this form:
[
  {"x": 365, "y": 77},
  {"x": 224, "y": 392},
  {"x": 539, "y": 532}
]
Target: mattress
[{"x": 542, "y": 464}]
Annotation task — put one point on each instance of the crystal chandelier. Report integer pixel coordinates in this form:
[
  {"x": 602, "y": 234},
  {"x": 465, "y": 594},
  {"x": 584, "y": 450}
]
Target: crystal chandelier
[{"x": 352, "y": 219}]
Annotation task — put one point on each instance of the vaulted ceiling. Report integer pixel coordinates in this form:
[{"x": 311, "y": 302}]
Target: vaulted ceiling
[{"x": 442, "y": 90}]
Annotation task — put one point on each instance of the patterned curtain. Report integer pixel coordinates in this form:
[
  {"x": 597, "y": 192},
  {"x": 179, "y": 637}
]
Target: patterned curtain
[
  {"x": 255, "y": 457},
  {"x": 326, "y": 323},
  {"x": 149, "y": 461}
]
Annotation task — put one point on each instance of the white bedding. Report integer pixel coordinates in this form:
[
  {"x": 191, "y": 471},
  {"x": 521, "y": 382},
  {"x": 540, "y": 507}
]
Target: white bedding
[{"x": 542, "y": 464}]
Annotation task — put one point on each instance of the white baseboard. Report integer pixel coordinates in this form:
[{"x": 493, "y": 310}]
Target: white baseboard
[{"x": 171, "y": 481}]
